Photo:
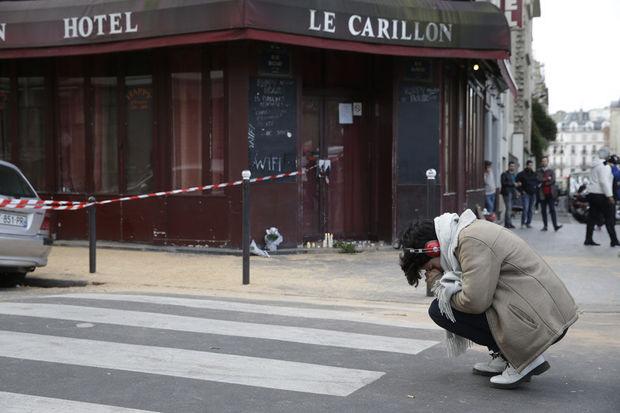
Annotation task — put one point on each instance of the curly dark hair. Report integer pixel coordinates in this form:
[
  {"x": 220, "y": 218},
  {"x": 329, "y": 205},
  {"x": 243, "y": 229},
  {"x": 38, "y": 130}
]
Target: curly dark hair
[{"x": 416, "y": 236}]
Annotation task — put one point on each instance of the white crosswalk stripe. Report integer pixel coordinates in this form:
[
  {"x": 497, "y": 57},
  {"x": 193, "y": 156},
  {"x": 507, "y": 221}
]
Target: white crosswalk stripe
[
  {"x": 24, "y": 403},
  {"x": 249, "y": 371},
  {"x": 315, "y": 313},
  {"x": 101, "y": 349},
  {"x": 223, "y": 327}
]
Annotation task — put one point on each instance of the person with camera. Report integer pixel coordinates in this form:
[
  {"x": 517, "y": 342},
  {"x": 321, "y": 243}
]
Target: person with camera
[
  {"x": 492, "y": 289},
  {"x": 601, "y": 199}
]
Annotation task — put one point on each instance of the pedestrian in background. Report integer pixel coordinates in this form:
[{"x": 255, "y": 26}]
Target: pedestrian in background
[
  {"x": 528, "y": 185},
  {"x": 489, "y": 187},
  {"x": 547, "y": 193},
  {"x": 508, "y": 181},
  {"x": 601, "y": 199},
  {"x": 613, "y": 162}
]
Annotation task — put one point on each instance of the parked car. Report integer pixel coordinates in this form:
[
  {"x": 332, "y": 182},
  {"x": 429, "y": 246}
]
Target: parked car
[{"x": 25, "y": 240}]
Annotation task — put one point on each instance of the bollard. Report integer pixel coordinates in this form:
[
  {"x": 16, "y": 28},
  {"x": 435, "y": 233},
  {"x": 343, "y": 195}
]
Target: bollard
[
  {"x": 428, "y": 197},
  {"x": 430, "y": 181},
  {"x": 245, "y": 242},
  {"x": 92, "y": 236}
]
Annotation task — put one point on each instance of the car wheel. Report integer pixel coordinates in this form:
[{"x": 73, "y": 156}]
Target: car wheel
[{"x": 12, "y": 279}]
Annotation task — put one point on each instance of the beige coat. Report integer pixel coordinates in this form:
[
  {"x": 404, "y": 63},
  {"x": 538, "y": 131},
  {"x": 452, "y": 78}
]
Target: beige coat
[{"x": 525, "y": 302}]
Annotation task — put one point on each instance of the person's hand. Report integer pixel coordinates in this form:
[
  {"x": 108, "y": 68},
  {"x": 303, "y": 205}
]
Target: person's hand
[
  {"x": 611, "y": 200},
  {"x": 432, "y": 275}
]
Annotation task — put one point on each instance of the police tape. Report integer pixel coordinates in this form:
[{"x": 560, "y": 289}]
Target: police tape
[{"x": 75, "y": 205}]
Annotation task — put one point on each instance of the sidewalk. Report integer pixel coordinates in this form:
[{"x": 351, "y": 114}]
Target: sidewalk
[{"x": 591, "y": 273}]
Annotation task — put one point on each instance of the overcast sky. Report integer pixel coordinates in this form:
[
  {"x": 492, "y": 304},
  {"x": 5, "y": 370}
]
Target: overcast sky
[{"x": 579, "y": 44}]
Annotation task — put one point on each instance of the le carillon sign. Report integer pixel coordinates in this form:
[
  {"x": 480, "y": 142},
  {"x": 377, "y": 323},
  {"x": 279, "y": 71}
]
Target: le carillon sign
[{"x": 421, "y": 23}]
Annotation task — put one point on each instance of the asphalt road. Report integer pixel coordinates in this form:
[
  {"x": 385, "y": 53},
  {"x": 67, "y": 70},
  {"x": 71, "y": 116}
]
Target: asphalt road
[
  {"x": 171, "y": 354},
  {"x": 102, "y": 352}
]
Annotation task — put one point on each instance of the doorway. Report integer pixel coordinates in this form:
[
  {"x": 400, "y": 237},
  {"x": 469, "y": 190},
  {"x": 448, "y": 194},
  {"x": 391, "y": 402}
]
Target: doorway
[{"x": 336, "y": 188}]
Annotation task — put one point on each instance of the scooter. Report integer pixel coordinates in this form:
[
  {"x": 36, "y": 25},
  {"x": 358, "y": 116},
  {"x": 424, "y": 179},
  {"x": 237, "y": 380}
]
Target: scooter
[{"x": 580, "y": 208}]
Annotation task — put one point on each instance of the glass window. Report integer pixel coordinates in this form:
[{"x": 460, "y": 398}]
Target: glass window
[
  {"x": 474, "y": 136},
  {"x": 186, "y": 93},
  {"x": 218, "y": 138},
  {"x": 31, "y": 98},
  {"x": 13, "y": 185},
  {"x": 105, "y": 134},
  {"x": 72, "y": 147},
  {"x": 139, "y": 145},
  {"x": 5, "y": 116}
]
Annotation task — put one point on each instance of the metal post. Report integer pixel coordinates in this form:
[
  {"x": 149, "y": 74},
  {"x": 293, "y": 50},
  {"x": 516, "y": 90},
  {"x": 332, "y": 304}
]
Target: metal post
[
  {"x": 246, "y": 226},
  {"x": 92, "y": 236},
  {"x": 428, "y": 198},
  {"x": 430, "y": 181}
]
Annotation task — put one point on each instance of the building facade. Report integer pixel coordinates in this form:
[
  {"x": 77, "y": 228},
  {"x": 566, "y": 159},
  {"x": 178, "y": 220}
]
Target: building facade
[
  {"x": 119, "y": 98},
  {"x": 511, "y": 113},
  {"x": 614, "y": 127},
  {"x": 580, "y": 135}
]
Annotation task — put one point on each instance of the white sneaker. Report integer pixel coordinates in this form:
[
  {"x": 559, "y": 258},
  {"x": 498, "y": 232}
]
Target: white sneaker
[
  {"x": 510, "y": 379},
  {"x": 495, "y": 365}
]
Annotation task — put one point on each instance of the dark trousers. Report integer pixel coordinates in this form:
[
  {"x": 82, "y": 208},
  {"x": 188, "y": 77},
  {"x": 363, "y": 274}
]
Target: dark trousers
[
  {"x": 528, "y": 207},
  {"x": 600, "y": 206},
  {"x": 548, "y": 200},
  {"x": 474, "y": 327},
  {"x": 508, "y": 213},
  {"x": 471, "y": 326}
]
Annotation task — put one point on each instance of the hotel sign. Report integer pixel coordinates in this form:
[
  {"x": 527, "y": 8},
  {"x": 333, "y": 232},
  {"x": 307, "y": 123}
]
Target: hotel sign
[
  {"x": 381, "y": 28},
  {"x": 442, "y": 24},
  {"x": 99, "y": 25},
  {"x": 513, "y": 10}
]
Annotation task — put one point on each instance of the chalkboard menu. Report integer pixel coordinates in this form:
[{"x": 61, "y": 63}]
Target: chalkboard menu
[
  {"x": 418, "y": 131},
  {"x": 272, "y": 129}
]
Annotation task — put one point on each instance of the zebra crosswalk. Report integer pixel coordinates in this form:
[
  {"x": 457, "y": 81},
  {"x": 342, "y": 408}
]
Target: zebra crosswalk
[
  {"x": 203, "y": 342},
  {"x": 20, "y": 403}
]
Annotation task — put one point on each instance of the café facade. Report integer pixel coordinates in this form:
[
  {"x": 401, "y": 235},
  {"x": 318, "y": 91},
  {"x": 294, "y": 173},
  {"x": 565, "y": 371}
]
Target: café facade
[{"x": 115, "y": 98}]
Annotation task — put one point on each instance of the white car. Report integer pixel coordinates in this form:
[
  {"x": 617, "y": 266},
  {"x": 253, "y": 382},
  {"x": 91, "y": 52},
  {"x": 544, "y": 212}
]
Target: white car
[{"x": 25, "y": 240}]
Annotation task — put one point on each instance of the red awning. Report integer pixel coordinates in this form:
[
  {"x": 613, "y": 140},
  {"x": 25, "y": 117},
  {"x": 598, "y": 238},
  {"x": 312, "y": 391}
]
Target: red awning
[{"x": 436, "y": 28}]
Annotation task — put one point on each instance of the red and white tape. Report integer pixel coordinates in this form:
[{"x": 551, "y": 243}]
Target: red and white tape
[{"x": 73, "y": 205}]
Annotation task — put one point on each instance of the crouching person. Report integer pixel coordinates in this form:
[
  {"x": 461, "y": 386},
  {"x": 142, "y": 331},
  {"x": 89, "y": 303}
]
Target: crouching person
[{"x": 492, "y": 289}]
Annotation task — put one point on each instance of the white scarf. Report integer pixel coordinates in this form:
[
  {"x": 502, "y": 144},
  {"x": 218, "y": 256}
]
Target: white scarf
[{"x": 448, "y": 227}]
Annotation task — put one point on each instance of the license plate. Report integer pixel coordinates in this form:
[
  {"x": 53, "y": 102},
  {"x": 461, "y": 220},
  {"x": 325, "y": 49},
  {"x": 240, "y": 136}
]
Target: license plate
[{"x": 14, "y": 220}]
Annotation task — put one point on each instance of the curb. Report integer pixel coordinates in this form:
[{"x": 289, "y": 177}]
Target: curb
[{"x": 122, "y": 246}]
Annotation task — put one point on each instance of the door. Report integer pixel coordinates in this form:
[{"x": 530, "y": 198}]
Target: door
[{"x": 336, "y": 187}]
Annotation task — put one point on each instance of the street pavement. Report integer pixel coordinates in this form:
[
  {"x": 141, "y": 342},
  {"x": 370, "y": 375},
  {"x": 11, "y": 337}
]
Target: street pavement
[{"x": 87, "y": 347}]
